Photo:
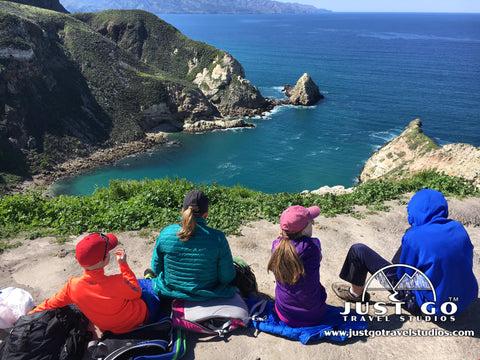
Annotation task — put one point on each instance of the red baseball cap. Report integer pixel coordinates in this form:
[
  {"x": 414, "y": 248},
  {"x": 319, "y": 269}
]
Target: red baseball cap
[
  {"x": 295, "y": 218},
  {"x": 94, "y": 248}
]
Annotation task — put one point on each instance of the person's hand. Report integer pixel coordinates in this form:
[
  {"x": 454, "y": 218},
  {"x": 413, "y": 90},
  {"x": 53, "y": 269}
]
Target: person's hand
[{"x": 121, "y": 255}]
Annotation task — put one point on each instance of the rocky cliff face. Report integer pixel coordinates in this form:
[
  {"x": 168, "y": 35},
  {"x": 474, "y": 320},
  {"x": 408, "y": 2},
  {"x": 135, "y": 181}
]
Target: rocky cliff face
[
  {"x": 219, "y": 76},
  {"x": 412, "y": 151},
  {"x": 224, "y": 83},
  {"x": 305, "y": 92},
  {"x": 70, "y": 84}
]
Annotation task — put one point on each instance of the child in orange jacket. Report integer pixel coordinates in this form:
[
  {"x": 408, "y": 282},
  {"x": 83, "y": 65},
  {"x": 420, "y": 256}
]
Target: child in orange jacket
[{"x": 111, "y": 303}]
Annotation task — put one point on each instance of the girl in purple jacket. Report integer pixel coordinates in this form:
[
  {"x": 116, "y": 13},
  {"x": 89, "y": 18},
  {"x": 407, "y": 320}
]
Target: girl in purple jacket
[{"x": 295, "y": 262}]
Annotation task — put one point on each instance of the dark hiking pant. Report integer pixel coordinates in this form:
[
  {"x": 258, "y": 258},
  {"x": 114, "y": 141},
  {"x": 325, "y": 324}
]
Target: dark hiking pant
[{"x": 362, "y": 260}]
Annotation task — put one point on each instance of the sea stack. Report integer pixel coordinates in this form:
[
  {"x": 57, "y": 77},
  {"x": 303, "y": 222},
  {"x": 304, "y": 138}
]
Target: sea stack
[{"x": 305, "y": 92}]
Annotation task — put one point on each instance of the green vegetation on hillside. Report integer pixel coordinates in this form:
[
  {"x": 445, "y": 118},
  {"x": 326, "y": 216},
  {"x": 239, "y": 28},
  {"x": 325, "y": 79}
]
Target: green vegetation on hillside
[
  {"x": 79, "y": 82},
  {"x": 133, "y": 205}
]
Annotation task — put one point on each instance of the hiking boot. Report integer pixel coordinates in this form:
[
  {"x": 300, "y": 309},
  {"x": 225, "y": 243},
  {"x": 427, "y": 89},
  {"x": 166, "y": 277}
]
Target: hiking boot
[
  {"x": 343, "y": 292},
  {"x": 149, "y": 274}
]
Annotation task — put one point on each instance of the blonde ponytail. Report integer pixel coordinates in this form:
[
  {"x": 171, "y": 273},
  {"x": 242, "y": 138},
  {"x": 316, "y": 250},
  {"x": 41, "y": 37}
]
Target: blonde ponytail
[
  {"x": 189, "y": 225},
  {"x": 285, "y": 263}
]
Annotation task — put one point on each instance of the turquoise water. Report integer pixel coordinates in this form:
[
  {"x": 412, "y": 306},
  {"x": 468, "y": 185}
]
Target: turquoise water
[{"x": 378, "y": 72}]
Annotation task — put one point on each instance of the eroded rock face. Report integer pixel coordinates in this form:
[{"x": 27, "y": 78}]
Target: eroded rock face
[
  {"x": 305, "y": 92},
  {"x": 413, "y": 151},
  {"x": 224, "y": 84}
]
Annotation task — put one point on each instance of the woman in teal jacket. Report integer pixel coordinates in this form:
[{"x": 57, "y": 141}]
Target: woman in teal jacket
[{"x": 193, "y": 261}]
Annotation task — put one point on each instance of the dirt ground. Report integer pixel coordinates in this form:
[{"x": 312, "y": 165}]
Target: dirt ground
[{"x": 42, "y": 266}]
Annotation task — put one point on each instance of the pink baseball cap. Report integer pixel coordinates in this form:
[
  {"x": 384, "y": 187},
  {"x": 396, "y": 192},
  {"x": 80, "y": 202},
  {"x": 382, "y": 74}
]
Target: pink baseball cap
[
  {"x": 94, "y": 248},
  {"x": 295, "y": 218}
]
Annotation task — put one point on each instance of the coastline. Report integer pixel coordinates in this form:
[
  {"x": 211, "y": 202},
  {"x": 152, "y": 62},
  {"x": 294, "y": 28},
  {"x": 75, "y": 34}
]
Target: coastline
[
  {"x": 110, "y": 155},
  {"x": 98, "y": 158}
]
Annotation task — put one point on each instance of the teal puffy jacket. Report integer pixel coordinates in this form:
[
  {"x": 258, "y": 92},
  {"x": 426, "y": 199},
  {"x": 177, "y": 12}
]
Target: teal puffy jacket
[{"x": 198, "y": 269}]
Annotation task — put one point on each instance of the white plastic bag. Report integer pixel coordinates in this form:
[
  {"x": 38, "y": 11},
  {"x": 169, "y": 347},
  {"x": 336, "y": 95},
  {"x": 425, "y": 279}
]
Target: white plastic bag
[{"x": 14, "y": 302}]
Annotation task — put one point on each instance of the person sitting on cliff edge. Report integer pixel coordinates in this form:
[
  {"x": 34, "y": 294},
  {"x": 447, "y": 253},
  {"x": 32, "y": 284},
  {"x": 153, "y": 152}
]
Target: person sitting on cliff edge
[{"x": 437, "y": 246}]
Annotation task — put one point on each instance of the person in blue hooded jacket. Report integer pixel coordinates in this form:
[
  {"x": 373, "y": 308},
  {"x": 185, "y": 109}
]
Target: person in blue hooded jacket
[{"x": 437, "y": 246}]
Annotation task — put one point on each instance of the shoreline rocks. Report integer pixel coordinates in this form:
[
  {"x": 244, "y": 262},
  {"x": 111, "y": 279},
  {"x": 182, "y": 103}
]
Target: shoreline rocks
[{"x": 100, "y": 157}]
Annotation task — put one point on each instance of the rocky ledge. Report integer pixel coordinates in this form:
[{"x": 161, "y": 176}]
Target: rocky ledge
[
  {"x": 209, "y": 125},
  {"x": 413, "y": 151}
]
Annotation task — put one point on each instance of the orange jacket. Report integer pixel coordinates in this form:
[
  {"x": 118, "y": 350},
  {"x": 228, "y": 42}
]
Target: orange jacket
[{"x": 110, "y": 302}]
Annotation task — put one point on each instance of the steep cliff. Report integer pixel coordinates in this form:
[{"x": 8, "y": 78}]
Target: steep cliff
[
  {"x": 219, "y": 76},
  {"x": 70, "y": 84},
  {"x": 413, "y": 151}
]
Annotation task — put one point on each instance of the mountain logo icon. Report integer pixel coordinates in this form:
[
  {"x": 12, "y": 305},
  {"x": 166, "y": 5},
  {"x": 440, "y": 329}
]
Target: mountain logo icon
[{"x": 413, "y": 279}]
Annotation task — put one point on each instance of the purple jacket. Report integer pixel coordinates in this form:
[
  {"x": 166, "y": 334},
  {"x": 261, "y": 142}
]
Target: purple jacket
[{"x": 304, "y": 303}]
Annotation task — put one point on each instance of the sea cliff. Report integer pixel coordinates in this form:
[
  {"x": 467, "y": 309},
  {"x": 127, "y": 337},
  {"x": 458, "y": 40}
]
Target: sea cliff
[
  {"x": 413, "y": 151},
  {"x": 72, "y": 85}
]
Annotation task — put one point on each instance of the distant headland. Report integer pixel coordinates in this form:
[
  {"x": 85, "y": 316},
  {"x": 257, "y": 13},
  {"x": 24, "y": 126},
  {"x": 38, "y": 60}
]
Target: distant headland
[{"x": 195, "y": 6}]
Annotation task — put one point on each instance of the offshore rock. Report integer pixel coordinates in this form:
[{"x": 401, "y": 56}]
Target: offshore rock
[
  {"x": 413, "y": 151},
  {"x": 305, "y": 92}
]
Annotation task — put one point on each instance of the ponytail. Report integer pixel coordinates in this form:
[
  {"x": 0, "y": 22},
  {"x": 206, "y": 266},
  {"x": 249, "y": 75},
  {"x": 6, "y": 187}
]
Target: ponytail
[
  {"x": 189, "y": 225},
  {"x": 285, "y": 263}
]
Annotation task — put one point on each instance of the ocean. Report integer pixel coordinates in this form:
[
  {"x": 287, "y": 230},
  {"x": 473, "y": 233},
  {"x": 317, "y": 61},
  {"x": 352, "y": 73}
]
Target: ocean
[{"x": 377, "y": 71}]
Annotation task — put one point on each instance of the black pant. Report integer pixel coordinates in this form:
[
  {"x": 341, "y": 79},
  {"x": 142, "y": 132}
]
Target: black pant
[{"x": 362, "y": 260}]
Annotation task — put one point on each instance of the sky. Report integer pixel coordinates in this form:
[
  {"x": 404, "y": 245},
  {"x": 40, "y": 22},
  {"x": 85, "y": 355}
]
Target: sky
[{"x": 394, "y": 6}]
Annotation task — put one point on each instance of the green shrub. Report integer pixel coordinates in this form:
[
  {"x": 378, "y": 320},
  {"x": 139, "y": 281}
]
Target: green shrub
[{"x": 154, "y": 204}]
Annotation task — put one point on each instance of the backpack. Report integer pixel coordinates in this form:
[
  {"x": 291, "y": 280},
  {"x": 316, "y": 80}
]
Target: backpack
[
  {"x": 156, "y": 341},
  {"x": 59, "y": 333},
  {"x": 244, "y": 278},
  {"x": 217, "y": 316}
]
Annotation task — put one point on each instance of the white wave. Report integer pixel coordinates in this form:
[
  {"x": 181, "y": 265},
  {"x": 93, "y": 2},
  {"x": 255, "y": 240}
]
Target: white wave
[
  {"x": 228, "y": 166},
  {"x": 385, "y": 136},
  {"x": 410, "y": 36}
]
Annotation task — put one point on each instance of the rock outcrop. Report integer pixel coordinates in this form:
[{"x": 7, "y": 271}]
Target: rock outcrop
[
  {"x": 209, "y": 125},
  {"x": 224, "y": 84},
  {"x": 305, "y": 92},
  {"x": 412, "y": 152}
]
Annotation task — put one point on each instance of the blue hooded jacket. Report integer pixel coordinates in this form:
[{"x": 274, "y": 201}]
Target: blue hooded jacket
[{"x": 441, "y": 249}]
